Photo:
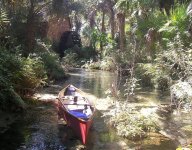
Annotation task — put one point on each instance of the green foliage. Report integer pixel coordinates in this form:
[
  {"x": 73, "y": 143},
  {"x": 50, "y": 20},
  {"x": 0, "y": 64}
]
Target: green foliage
[
  {"x": 92, "y": 65},
  {"x": 181, "y": 95},
  {"x": 146, "y": 74},
  {"x": 146, "y": 3},
  {"x": 163, "y": 82},
  {"x": 32, "y": 73},
  {"x": 97, "y": 36},
  {"x": 178, "y": 21},
  {"x": 151, "y": 75},
  {"x": 179, "y": 17},
  {"x": 88, "y": 52},
  {"x": 21, "y": 72},
  {"x": 17, "y": 72},
  {"x": 9, "y": 68},
  {"x": 70, "y": 59},
  {"x": 156, "y": 20},
  {"x": 176, "y": 61},
  {"x": 4, "y": 21},
  {"x": 133, "y": 126},
  {"x": 107, "y": 64},
  {"x": 10, "y": 100},
  {"x": 10, "y": 65},
  {"x": 123, "y": 5},
  {"x": 52, "y": 65}
]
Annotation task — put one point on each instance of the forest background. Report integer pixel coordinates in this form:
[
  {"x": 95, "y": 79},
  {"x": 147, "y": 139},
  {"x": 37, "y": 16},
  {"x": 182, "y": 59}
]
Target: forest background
[{"x": 147, "y": 41}]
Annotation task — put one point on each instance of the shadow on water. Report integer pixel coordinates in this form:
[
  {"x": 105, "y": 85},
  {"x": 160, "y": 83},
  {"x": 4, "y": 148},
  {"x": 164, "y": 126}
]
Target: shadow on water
[
  {"x": 38, "y": 128},
  {"x": 100, "y": 135}
]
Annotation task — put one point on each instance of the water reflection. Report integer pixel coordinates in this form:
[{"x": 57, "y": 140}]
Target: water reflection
[
  {"x": 94, "y": 82},
  {"x": 38, "y": 128}
]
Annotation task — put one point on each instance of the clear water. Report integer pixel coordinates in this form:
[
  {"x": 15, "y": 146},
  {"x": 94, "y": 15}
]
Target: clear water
[{"x": 38, "y": 128}]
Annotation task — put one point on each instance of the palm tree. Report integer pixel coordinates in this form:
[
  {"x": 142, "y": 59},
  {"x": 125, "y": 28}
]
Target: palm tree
[
  {"x": 122, "y": 7},
  {"x": 111, "y": 4}
]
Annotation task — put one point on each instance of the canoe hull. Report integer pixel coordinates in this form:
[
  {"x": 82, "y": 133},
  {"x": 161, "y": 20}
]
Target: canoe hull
[{"x": 79, "y": 126}]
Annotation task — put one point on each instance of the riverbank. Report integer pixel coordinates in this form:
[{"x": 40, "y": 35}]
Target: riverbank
[
  {"x": 39, "y": 127},
  {"x": 6, "y": 119}
]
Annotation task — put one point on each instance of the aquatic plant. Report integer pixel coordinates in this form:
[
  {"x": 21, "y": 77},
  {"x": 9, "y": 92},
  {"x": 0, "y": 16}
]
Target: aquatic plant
[{"x": 131, "y": 124}]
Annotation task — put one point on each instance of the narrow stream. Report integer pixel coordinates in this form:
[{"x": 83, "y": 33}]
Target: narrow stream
[{"x": 39, "y": 129}]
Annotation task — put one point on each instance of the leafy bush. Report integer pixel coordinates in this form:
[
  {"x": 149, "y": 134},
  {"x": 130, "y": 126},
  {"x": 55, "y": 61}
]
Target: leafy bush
[
  {"x": 132, "y": 126},
  {"x": 177, "y": 22},
  {"x": 70, "y": 59},
  {"x": 52, "y": 65},
  {"x": 163, "y": 83},
  {"x": 176, "y": 60},
  {"x": 10, "y": 100},
  {"x": 155, "y": 20},
  {"x": 107, "y": 64},
  {"x": 94, "y": 65},
  {"x": 181, "y": 94},
  {"x": 32, "y": 73},
  {"x": 88, "y": 52},
  {"x": 18, "y": 73},
  {"x": 9, "y": 67},
  {"x": 146, "y": 74}
]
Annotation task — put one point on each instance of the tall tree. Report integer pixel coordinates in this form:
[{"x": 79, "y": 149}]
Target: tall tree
[
  {"x": 102, "y": 7},
  {"x": 122, "y": 7},
  {"x": 111, "y": 5}
]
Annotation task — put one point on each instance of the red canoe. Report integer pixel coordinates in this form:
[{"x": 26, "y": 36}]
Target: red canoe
[{"x": 76, "y": 110}]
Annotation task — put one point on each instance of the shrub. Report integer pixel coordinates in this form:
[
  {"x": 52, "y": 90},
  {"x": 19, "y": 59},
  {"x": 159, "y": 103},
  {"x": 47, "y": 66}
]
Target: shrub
[
  {"x": 70, "y": 59},
  {"x": 133, "y": 126},
  {"x": 163, "y": 83},
  {"x": 176, "y": 60},
  {"x": 107, "y": 64},
  {"x": 9, "y": 69},
  {"x": 177, "y": 22},
  {"x": 32, "y": 73},
  {"x": 52, "y": 65},
  {"x": 18, "y": 73},
  {"x": 181, "y": 94},
  {"x": 92, "y": 65},
  {"x": 10, "y": 100},
  {"x": 88, "y": 52},
  {"x": 146, "y": 74}
]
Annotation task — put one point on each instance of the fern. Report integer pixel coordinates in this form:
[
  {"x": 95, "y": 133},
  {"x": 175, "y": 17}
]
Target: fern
[{"x": 4, "y": 21}]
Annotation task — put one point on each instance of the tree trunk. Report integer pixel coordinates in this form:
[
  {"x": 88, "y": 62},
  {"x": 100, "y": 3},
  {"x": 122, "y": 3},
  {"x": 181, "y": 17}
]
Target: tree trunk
[
  {"x": 121, "y": 24},
  {"x": 102, "y": 31},
  {"x": 92, "y": 25},
  {"x": 112, "y": 22},
  {"x": 30, "y": 31},
  {"x": 77, "y": 23},
  {"x": 110, "y": 5}
]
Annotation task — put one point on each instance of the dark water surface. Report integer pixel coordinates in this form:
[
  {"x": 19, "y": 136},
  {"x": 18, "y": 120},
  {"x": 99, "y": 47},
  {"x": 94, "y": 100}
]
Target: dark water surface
[{"x": 38, "y": 128}]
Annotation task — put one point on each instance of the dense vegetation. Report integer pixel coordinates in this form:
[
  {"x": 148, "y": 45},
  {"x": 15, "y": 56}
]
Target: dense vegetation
[
  {"x": 146, "y": 41},
  {"x": 27, "y": 59},
  {"x": 149, "y": 42}
]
